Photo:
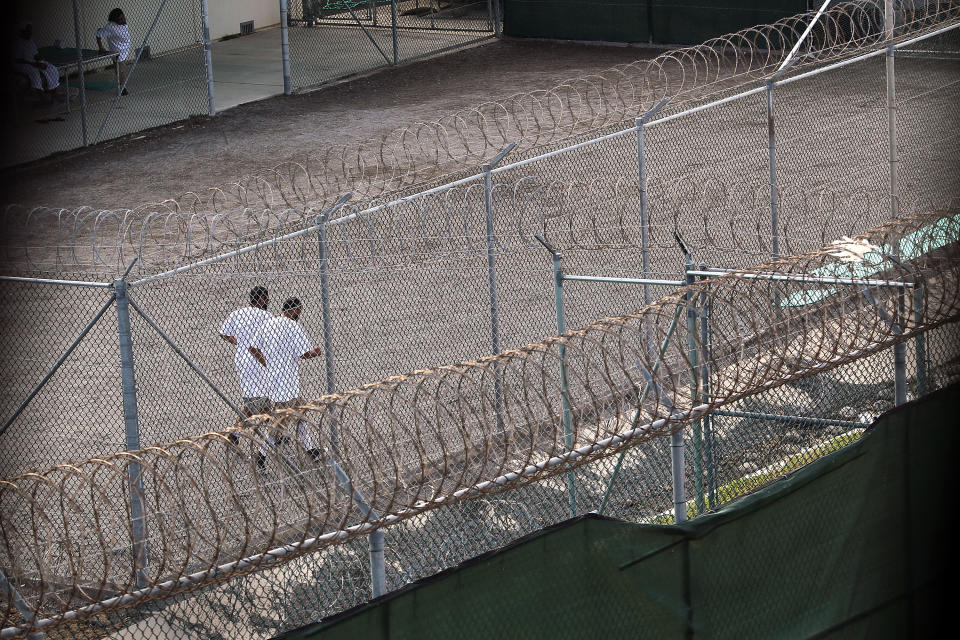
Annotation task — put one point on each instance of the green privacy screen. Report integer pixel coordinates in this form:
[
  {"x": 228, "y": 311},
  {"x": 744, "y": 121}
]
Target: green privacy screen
[
  {"x": 851, "y": 546},
  {"x": 663, "y": 22}
]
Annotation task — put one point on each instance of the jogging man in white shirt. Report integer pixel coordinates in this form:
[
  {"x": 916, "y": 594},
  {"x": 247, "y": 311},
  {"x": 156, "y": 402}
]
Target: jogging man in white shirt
[
  {"x": 278, "y": 345},
  {"x": 115, "y": 38},
  {"x": 239, "y": 329}
]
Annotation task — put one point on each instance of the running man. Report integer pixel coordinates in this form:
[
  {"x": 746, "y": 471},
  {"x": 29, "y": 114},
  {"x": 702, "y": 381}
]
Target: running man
[
  {"x": 278, "y": 346},
  {"x": 239, "y": 329}
]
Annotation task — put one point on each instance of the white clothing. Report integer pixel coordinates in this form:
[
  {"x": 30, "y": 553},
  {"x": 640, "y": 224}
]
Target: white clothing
[
  {"x": 243, "y": 324},
  {"x": 115, "y": 38},
  {"x": 282, "y": 341},
  {"x": 27, "y": 50}
]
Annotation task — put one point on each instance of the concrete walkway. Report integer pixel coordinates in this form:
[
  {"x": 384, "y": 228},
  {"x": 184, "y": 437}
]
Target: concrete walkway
[{"x": 247, "y": 69}]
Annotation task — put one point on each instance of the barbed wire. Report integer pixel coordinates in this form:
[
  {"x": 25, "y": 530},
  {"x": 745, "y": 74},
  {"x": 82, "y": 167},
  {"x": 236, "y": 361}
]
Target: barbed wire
[
  {"x": 427, "y": 152},
  {"x": 411, "y": 443},
  {"x": 599, "y": 213}
]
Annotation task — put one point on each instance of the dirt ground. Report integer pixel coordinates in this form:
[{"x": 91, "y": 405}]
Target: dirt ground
[{"x": 202, "y": 152}]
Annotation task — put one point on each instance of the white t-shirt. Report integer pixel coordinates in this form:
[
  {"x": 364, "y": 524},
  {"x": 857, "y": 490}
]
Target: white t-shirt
[
  {"x": 116, "y": 38},
  {"x": 282, "y": 341},
  {"x": 244, "y": 324}
]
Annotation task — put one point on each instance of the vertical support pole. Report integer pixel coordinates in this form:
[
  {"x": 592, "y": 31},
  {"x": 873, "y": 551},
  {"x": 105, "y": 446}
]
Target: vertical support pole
[
  {"x": 373, "y": 10},
  {"x": 393, "y": 22},
  {"x": 692, "y": 354},
  {"x": 324, "y": 259},
  {"x": 378, "y": 574},
  {"x": 493, "y": 17},
  {"x": 132, "y": 432},
  {"x": 207, "y": 55},
  {"x": 900, "y": 349},
  {"x": 564, "y": 389},
  {"x": 644, "y": 222},
  {"x": 492, "y": 279},
  {"x": 641, "y": 123},
  {"x": 774, "y": 192},
  {"x": 706, "y": 338},
  {"x": 676, "y": 466},
  {"x": 492, "y": 289},
  {"x": 920, "y": 342},
  {"x": 80, "y": 79},
  {"x": 285, "y": 45}
]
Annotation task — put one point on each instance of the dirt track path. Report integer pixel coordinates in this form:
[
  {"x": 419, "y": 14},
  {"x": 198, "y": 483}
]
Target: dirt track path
[{"x": 193, "y": 155}]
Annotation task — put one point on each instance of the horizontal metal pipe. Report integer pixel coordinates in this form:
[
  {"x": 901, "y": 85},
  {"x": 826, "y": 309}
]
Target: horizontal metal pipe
[
  {"x": 785, "y": 278},
  {"x": 71, "y": 283},
  {"x": 564, "y": 276},
  {"x": 794, "y": 419}
]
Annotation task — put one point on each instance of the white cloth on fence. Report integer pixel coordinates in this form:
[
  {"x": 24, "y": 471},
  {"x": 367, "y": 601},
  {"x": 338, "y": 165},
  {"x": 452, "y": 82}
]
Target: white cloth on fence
[
  {"x": 115, "y": 38},
  {"x": 282, "y": 341},
  {"x": 27, "y": 50},
  {"x": 243, "y": 324}
]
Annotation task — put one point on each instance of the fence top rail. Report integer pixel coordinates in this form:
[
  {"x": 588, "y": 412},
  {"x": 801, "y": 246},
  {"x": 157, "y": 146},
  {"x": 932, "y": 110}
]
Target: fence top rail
[{"x": 70, "y": 283}]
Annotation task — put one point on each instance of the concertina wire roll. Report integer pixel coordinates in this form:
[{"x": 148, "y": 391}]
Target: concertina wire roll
[
  {"x": 442, "y": 225},
  {"x": 411, "y": 443},
  {"x": 423, "y": 153}
]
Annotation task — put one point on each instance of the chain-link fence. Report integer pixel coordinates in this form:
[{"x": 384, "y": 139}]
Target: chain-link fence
[
  {"x": 103, "y": 74},
  {"x": 369, "y": 34},
  {"x": 456, "y": 274}
]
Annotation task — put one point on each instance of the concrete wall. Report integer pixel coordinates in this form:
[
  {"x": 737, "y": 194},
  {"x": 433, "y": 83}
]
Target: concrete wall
[
  {"x": 226, "y": 15},
  {"x": 178, "y": 27}
]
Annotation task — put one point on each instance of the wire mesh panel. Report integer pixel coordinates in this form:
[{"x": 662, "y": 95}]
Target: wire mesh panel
[
  {"x": 60, "y": 420},
  {"x": 928, "y": 143},
  {"x": 707, "y": 166},
  {"x": 161, "y": 67},
  {"x": 843, "y": 153}
]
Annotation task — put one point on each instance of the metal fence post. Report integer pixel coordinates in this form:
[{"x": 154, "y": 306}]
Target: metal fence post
[
  {"x": 80, "y": 78},
  {"x": 692, "y": 354},
  {"x": 377, "y": 561},
  {"x": 564, "y": 389},
  {"x": 132, "y": 432},
  {"x": 492, "y": 278},
  {"x": 774, "y": 194},
  {"x": 393, "y": 28},
  {"x": 207, "y": 55},
  {"x": 706, "y": 337},
  {"x": 493, "y": 15},
  {"x": 920, "y": 342},
  {"x": 899, "y": 349},
  {"x": 285, "y": 45},
  {"x": 644, "y": 219},
  {"x": 676, "y": 466},
  {"x": 324, "y": 256},
  {"x": 378, "y": 575}
]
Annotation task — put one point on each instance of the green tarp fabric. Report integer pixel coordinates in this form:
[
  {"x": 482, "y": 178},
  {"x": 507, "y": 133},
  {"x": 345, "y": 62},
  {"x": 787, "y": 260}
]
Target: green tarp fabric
[
  {"x": 855, "y": 545},
  {"x": 658, "y": 21}
]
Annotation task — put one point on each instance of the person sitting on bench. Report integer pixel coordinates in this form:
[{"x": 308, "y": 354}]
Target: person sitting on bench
[{"x": 44, "y": 78}]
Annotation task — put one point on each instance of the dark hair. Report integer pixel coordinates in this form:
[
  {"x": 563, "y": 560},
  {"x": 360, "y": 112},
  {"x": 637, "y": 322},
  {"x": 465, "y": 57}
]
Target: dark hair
[
  {"x": 115, "y": 14},
  {"x": 291, "y": 303},
  {"x": 258, "y": 297}
]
